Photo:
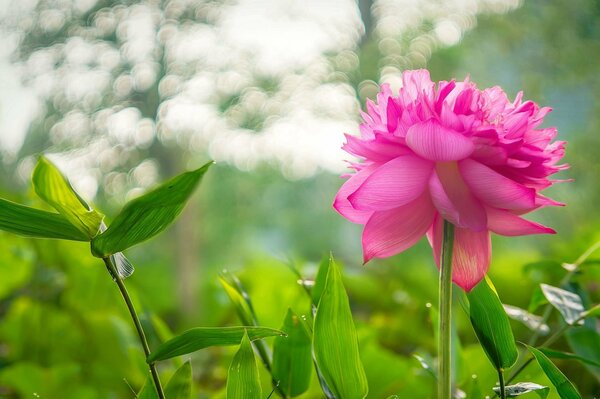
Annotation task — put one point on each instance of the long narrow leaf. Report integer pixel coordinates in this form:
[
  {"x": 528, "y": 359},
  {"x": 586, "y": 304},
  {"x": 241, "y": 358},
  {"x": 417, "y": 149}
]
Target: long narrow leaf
[
  {"x": 31, "y": 222},
  {"x": 203, "y": 337},
  {"x": 335, "y": 343},
  {"x": 292, "y": 357},
  {"x": 242, "y": 378},
  {"x": 565, "y": 388},
  {"x": 148, "y": 391},
  {"x": 54, "y": 188},
  {"x": 180, "y": 385},
  {"x": 554, "y": 354},
  {"x": 148, "y": 215},
  {"x": 491, "y": 325}
]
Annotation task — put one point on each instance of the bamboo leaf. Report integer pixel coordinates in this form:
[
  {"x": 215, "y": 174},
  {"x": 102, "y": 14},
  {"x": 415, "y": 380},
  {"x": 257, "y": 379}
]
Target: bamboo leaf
[
  {"x": 566, "y": 390},
  {"x": 148, "y": 391},
  {"x": 30, "y": 222},
  {"x": 320, "y": 280},
  {"x": 239, "y": 297},
  {"x": 180, "y": 385},
  {"x": 567, "y": 303},
  {"x": 148, "y": 215},
  {"x": 292, "y": 357},
  {"x": 531, "y": 321},
  {"x": 54, "y": 188},
  {"x": 242, "y": 378},
  {"x": 524, "y": 387},
  {"x": 491, "y": 325},
  {"x": 202, "y": 337},
  {"x": 335, "y": 343},
  {"x": 554, "y": 354}
]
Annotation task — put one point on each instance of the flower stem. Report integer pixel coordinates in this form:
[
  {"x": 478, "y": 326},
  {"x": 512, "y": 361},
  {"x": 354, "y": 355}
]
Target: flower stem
[
  {"x": 445, "y": 318},
  {"x": 502, "y": 385},
  {"x": 136, "y": 321}
]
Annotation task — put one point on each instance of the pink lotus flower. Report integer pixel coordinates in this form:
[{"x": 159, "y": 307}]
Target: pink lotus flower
[{"x": 451, "y": 152}]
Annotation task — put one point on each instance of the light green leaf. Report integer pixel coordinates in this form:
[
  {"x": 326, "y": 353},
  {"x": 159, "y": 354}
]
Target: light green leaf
[
  {"x": 148, "y": 391},
  {"x": 593, "y": 312},
  {"x": 148, "y": 215},
  {"x": 524, "y": 387},
  {"x": 565, "y": 388},
  {"x": 203, "y": 337},
  {"x": 242, "y": 378},
  {"x": 335, "y": 343},
  {"x": 238, "y": 297},
  {"x": 180, "y": 385},
  {"x": 31, "y": 222},
  {"x": 531, "y": 321},
  {"x": 491, "y": 325},
  {"x": 55, "y": 189},
  {"x": 426, "y": 366},
  {"x": 320, "y": 280},
  {"x": 567, "y": 303},
  {"x": 554, "y": 354},
  {"x": 292, "y": 357}
]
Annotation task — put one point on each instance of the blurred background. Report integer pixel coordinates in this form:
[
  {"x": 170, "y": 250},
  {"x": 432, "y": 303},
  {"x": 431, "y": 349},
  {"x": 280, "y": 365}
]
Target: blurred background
[{"x": 124, "y": 94}]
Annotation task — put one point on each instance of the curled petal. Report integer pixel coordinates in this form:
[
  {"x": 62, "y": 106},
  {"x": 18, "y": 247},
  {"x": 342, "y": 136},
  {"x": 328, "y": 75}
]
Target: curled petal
[
  {"x": 395, "y": 230},
  {"x": 435, "y": 142},
  {"x": 494, "y": 189},
  {"x": 393, "y": 184},
  {"x": 471, "y": 255},
  {"x": 341, "y": 203},
  {"x": 508, "y": 224},
  {"x": 453, "y": 199}
]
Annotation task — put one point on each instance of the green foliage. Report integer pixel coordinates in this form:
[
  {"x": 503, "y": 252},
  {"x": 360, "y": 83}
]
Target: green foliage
[
  {"x": 335, "y": 343},
  {"x": 148, "y": 391},
  {"x": 204, "y": 337},
  {"x": 565, "y": 388},
  {"x": 242, "y": 378},
  {"x": 567, "y": 303},
  {"x": 292, "y": 357},
  {"x": 31, "y": 222},
  {"x": 180, "y": 384},
  {"x": 54, "y": 188},
  {"x": 148, "y": 215},
  {"x": 491, "y": 325}
]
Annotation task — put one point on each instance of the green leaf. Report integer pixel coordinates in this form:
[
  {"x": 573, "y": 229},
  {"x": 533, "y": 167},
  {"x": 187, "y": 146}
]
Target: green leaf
[
  {"x": 583, "y": 341},
  {"x": 55, "y": 189},
  {"x": 239, "y": 298},
  {"x": 554, "y": 354},
  {"x": 203, "y": 337},
  {"x": 426, "y": 366},
  {"x": 320, "y": 280},
  {"x": 491, "y": 325},
  {"x": 292, "y": 357},
  {"x": 335, "y": 343},
  {"x": 524, "y": 387},
  {"x": 148, "y": 215},
  {"x": 531, "y": 321},
  {"x": 565, "y": 388},
  {"x": 567, "y": 303},
  {"x": 593, "y": 312},
  {"x": 148, "y": 391},
  {"x": 242, "y": 378},
  {"x": 31, "y": 222},
  {"x": 180, "y": 385}
]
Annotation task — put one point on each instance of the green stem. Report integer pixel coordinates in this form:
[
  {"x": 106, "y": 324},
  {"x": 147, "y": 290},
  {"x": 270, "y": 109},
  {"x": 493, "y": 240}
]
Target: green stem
[
  {"x": 502, "y": 385},
  {"x": 136, "y": 321},
  {"x": 445, "y": 318}
]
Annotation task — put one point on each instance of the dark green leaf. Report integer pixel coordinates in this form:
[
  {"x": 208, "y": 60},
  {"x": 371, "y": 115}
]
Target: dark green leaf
[
  {"x": 148, "y": 391},
  {"x": 531, "y": 321},
  {"x": 242, "y": 378},
  {"x": 554, "y": 354},
  {"x": 524, "y": 387},
  {"x": 292, "y": 357},
  {"x": 203, "y": 337},
  {"x": 491, "y": 325},
  {"x": 31, "y": 222},
  {"x": 565, "y": 388},
  {"x": 583, "y": 341},
  {"x": 335, "y": 343},
  {"x": 55, "y": 189},
  {"x": 148, "y": 215},
  {"x": 567, "y": 303},
  {"x": 180, "y": 385}
]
